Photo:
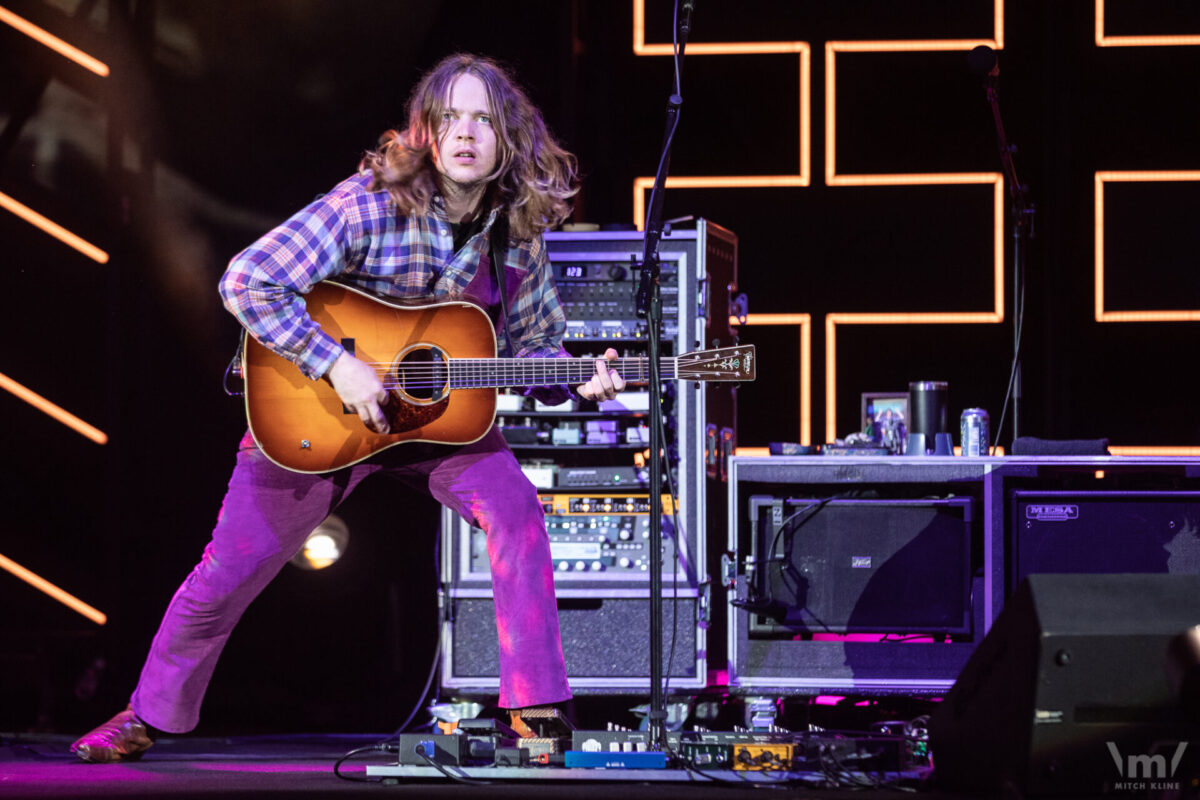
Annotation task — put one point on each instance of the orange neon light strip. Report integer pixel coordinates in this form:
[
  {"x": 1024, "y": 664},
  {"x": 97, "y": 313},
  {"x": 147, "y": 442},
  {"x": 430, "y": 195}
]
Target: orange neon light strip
[
  {"x": 832, "y": 178},
  {"x": 758, "y": 452},
  {"x": 42, "y": 404},
  {"x": 910, "y": 45},
  {"x": 644, "y": 184},
  {"x": 53, "y": 228},
  {"x": 1138, "y": 450},
  {"x": 704, "y": 48},
  {"x": 995, "y": 316},
  {"x": 804, "y": 322},
  {"x": 1144, "y": 176},
  {"x": 900, "y": 318},
  {"x": 1103, "y": 40},
  {"x": 56, "y": 44},
  {"x": 801, "y": 179},
  {"x": 43, "y": 585},
  {"x": 912, "y": 179}
]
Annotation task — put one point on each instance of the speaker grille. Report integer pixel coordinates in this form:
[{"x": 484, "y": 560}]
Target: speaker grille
[{"x": 602, "y": 638}]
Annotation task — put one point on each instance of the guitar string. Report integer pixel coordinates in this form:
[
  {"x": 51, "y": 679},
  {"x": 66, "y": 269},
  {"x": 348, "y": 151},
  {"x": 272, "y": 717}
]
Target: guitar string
[
  {"x": 439, "y": 378},
  {"x": 430, "y": 376},
  {"x": 523, "y": 365},
  {"x": 533, "y": 363},
  {"x": 460, "y": 373},
  {"x": 530, "y": 362},
  {"x": 499, "y": 369}
]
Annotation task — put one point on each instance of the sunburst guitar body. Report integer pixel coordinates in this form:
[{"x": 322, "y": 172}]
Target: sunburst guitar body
[{"x": 438, "y": 363}]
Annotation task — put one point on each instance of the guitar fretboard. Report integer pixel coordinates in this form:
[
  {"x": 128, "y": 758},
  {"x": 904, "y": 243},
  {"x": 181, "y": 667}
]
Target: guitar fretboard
[{"x": 477, "y": 373}]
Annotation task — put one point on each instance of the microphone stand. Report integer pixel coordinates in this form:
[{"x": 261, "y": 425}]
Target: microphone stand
[
  {"x": 649, "y": 302},
  {"x": 1023, "y": 215}
]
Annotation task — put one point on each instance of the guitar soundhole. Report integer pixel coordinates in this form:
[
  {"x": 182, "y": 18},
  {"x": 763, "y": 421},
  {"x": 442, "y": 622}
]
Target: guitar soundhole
[{"x": 421, "y": 375}]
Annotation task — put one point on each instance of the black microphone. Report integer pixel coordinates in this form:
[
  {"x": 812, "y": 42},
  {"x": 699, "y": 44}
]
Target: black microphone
[{"x": 984, "y": 63}]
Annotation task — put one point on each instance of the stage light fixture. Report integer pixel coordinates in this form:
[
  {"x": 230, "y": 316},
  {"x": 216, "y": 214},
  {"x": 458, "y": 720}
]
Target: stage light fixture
[
  {"x": 1183, "y": 671},
  {"x": 324, "y": 545}
]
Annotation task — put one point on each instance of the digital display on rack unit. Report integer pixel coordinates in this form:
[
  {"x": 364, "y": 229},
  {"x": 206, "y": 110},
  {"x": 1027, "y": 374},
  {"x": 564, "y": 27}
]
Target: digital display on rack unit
[
  {"x": 574, "y": 271},
  {"x": 575, "y": 550}
]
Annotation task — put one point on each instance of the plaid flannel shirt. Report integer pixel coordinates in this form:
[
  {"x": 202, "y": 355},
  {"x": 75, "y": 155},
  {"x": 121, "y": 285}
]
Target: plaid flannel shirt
[{"x": 358, "y": 237}]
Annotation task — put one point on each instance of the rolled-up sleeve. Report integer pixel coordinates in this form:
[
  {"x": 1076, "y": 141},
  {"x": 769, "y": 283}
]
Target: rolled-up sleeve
[
  {"x": 537, "y": 319},
  {"x": 264, "y": 284}
]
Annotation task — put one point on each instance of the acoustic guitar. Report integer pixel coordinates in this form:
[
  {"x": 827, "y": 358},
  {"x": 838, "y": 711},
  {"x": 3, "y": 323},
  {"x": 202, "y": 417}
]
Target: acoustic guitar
[{"x": 437, "y": 361}]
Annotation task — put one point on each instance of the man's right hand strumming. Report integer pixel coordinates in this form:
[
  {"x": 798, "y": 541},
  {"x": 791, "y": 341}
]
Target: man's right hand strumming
[{"x": 360, "y": 390}]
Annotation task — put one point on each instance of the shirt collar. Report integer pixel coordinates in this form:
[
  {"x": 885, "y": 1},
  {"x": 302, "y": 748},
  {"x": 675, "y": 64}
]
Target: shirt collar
[{"x": 438, "y": 207}]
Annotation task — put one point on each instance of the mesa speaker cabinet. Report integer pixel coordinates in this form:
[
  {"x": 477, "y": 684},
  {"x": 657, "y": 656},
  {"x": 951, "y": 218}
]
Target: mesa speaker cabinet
[
  {"x": 1056, "y": 531},
  {"x": 1068, "y": 693}
]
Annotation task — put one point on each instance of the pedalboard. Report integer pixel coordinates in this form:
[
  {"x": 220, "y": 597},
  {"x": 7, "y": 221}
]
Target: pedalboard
[{"x": 780, "y": 752}]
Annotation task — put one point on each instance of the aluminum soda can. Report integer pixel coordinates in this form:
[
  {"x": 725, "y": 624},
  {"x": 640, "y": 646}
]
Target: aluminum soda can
[{"x": 974, "y": 432}]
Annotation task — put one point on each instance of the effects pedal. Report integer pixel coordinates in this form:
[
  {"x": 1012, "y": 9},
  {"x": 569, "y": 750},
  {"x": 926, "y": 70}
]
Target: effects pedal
[{"x": 422, "y": 749}]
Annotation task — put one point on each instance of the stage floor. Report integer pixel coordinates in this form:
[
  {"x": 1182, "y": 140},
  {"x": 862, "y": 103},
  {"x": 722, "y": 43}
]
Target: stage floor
[{"x": 40, "y": 766}]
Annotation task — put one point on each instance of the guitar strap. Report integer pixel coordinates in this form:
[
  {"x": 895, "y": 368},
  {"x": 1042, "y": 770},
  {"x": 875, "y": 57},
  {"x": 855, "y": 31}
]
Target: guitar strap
[{"x": 498, "y": 241}]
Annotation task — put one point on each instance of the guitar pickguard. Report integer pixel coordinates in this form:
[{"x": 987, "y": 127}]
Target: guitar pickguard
[{"x": 404, "y": 416}]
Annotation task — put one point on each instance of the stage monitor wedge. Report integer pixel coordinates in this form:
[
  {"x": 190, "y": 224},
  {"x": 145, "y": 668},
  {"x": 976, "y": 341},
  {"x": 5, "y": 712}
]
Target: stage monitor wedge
[{"x": 1068, "y": 693}]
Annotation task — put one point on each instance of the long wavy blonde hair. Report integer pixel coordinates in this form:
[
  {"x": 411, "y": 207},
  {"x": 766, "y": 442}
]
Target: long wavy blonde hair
[{"x": 534, "y": 177}]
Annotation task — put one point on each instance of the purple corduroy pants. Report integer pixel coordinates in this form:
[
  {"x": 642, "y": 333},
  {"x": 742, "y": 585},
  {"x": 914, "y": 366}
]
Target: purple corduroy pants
[{"x": 267, "y": 514}]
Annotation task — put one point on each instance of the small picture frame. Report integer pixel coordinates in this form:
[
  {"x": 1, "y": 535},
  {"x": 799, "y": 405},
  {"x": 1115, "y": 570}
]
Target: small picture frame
[{"x": 884, "y": 416}]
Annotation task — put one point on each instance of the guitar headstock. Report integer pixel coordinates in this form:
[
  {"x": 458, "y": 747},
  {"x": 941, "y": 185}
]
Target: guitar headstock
[{"x": 722, "y": 364}]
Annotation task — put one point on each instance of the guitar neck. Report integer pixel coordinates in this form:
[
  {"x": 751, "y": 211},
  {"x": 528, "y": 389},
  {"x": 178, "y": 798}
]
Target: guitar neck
[{"x": 476, "y": 373}]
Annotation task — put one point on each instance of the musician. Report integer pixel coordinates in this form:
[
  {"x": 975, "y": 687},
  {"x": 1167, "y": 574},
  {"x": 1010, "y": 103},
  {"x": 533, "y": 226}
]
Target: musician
[{"x": 416, "y": 221}]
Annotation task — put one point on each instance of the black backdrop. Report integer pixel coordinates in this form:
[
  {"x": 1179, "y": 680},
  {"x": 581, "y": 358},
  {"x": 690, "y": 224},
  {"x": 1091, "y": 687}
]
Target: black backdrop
[{"x": 220, "y": 118}]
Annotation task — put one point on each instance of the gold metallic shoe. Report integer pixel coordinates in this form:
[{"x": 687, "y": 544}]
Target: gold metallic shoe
[
  {"x": 540, "y": 722},
  {"x": 519, "y": 725},
  {"x": 122, "y": 738}
]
